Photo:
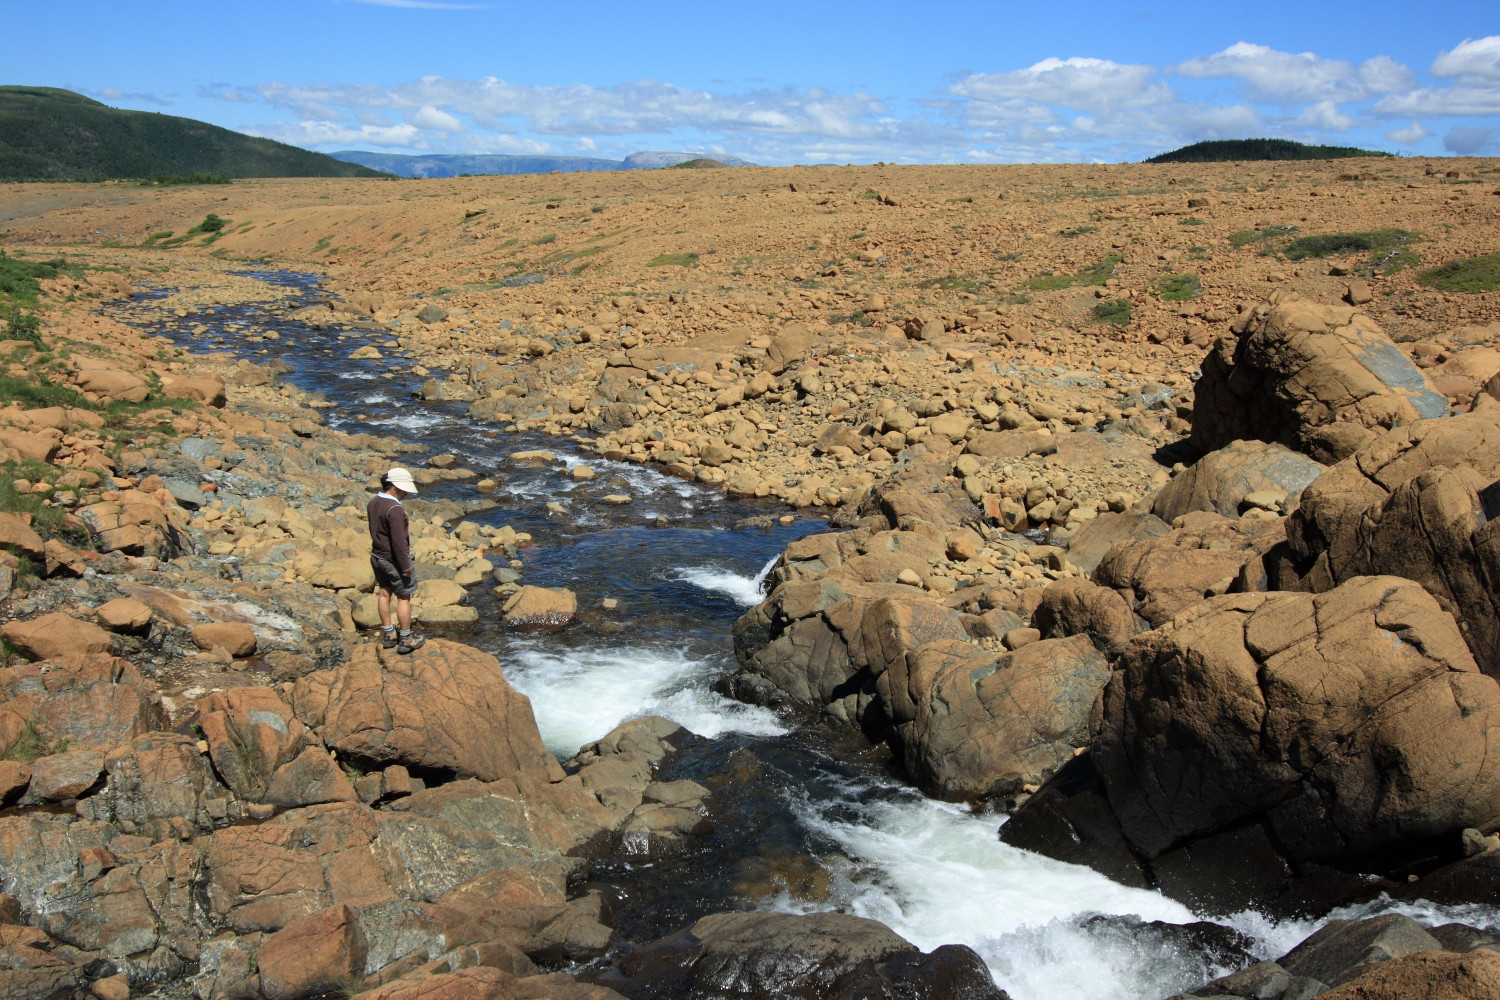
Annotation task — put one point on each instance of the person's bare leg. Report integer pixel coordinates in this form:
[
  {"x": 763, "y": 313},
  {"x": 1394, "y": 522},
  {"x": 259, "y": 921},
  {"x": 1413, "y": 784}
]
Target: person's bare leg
[
  {"x": 403, "y": 613},
  {"x": 383, "y": 605}
]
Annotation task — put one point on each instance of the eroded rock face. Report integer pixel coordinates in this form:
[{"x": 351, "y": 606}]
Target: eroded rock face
[
  {"x": 1319, "y": 379},
  {"x": 1416, "y": 502},
  {"x": 820, "y": 955},
  {"x": 445, "y": 708},
  {"x": 983, "y": 726},
  {"x": 1203, "y": 555},
  {"x": 1258, "y": 733},
  {"x": 1222, "y": 480},
  {"x": 1354, "y": 721}
]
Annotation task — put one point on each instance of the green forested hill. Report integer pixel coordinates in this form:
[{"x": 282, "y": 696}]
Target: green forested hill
[
  {"x": 1222, "y": 150},
  {"x": 50, "y": 134}
]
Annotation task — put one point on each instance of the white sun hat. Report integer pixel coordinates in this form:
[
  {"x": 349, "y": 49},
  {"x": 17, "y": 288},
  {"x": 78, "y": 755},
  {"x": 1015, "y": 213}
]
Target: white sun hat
[{"x": 401, "y": 479}]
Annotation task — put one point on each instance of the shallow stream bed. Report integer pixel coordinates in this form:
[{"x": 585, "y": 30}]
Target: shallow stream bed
[{"x": 824, "y": 822}]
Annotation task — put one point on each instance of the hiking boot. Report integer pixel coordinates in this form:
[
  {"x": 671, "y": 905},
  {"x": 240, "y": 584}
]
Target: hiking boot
[
  {"x": 410, "y": 642},
  {"x": 388, "y": 639}
]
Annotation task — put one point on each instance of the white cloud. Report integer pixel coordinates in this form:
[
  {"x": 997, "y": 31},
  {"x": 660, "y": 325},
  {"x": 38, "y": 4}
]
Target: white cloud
[
  {"x": 1409, "y": 136},
  {"x": 1324, "y": 116},
  {"x": 1440, "y": 102},
  {"x": 1473, "y": 59},
  {"x": 1097, "y": 86},
  {"x": 429, "y": 117},
  {"x": 1383, "y": 75},
  {"x": 1298, "y": 77},
  {"x": 1468, "y": 141}
]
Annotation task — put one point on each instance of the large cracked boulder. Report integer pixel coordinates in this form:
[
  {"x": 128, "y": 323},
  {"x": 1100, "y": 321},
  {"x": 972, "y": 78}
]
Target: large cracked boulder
[
  {"x": 1319, "y": 379},
  {"x": 974, "y": 725},
  {"x": 1258, "y": 734},
  {"x": 1241, "y": 475},
  {"x": 1204, "y": 555},
  {"x": 445, "y": 709},
  {"x": 816, "y": 956},
  {"x": 94, "y": 702},
  {"x": 264, "y": 753},
  {"x": 1418, "y": 502}
]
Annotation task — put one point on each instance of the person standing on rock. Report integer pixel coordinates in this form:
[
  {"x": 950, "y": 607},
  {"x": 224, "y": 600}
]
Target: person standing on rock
[{"x": 390, "y": 557}]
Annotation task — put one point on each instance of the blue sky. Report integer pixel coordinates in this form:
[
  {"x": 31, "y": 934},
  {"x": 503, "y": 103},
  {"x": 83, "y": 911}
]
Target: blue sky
[{"x": 783, "y": 82}]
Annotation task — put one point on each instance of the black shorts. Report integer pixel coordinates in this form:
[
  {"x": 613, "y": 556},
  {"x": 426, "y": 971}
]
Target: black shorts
[{"x": 388, "y": 577}]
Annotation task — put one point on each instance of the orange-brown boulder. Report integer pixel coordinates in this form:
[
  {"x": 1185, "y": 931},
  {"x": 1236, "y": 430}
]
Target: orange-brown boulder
[
  {"x": 237, "y": 637},
  {"x": 56, "y": 635},
  {"x": 1319, "y": 379},
  {"x": 446, "y": 707},
  {"x": 312, "y": 955}
]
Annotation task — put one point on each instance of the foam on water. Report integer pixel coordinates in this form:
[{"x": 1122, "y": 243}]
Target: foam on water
[
  {"x": 745, "y": 590},
  {"x": 937, "y": 874},
  {"x": 579, "y": 695}
]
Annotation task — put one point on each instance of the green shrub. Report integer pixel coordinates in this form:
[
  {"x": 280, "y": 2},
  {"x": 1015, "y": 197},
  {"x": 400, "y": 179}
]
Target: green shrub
[
  {"x": 211, "y": 224},
  {"x": 1178, "y": 287},
  {"x": 21, "y": 325},
  {"x": 545, "y": 239},
  {"x": 1468, "y": 274},
  {"x": 1116, "y": 312}
]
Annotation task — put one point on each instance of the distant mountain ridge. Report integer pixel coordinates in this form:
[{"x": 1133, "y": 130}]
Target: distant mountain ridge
[
  {"x": 454, "y": 164},
  {"x": 52, "y": 134},
  {"x": 1225, "y": 150}
]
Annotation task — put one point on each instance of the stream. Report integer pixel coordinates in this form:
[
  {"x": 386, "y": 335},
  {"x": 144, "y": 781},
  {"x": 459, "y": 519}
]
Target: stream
[{"x": 827, "y": 821}]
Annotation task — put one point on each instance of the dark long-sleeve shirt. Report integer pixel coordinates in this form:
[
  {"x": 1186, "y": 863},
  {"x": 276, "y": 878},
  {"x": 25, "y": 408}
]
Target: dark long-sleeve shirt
[{"x": 389, "y": 537}]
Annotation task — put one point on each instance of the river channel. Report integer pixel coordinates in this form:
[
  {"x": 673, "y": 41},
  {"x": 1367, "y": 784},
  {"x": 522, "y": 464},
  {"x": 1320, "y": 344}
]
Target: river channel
[{"x": 828, "y": 822}]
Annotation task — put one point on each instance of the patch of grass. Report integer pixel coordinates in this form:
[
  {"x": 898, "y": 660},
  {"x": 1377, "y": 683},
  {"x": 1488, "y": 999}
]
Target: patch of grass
[
  {"x": 1340, "y": 244},
  {"x": 679, "y": 259},
  {"x": 1014, "y": 299},
  {"x": 869, "y": 195},
  {"x": 20, "y": 279},
  {"x": 1098, "y": 274},
  {"x": 322, "y": 244},
  {"x": 952, "y": 283},
  {"x": 1190, "y": 222},
  {"x": 1115, "y": 312},
  {"x": 1248, "y": 236},
  {"x": 171, "y": 180},
  {"x": 1468, "y": 274},
  {"x": 1178, "y": 287},
  {"x": 40, "y": 392},
  {"x": 1049, "y": 282},
  {"x": 152, "y": 240},
  {"x": 30, "y": 746},
  {"x": 596, "y": 209},
  {"x": 550, "y": 237},
  {"x": 1080, "y": 231}
]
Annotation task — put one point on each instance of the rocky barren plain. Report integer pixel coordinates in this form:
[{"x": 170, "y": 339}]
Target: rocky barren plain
[{"x": 1161, "y": 498}]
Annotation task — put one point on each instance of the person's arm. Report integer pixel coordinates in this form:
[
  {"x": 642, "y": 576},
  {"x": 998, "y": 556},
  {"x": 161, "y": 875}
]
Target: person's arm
[{"x": 400, "y": 540}]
